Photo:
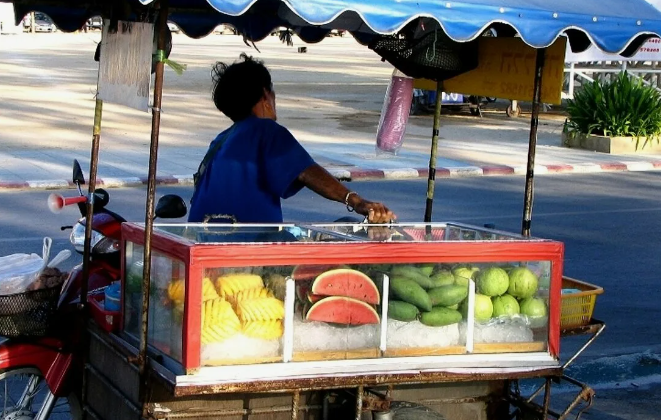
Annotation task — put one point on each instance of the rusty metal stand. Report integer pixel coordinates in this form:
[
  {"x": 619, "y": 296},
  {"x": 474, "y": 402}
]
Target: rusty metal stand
[
  {"x": 586, "y": 394},
  {"x": 142, "y": 361}
]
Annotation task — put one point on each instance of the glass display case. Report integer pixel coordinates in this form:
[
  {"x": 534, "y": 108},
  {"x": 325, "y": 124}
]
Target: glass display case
[{"x": 276, "y": 295}]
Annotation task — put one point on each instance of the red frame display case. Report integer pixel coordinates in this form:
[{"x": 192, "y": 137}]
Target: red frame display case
[{"x": 432, "y": 246}]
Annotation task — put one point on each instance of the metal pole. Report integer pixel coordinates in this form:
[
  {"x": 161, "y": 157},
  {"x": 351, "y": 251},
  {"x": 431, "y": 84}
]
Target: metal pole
[
  {"x": 534, "y": 122},
  {"x": 84, "y": 287},
  {"x": 151, "y": 189},
  {"x": 547, "y": 398},
  {"x": 294, "y": 405},
  {"x": 94, "y": 161},
  {"x": 359, "y": 402},
  {"x": 572, "y": 82},
  {"x": 432, "y": 157}
]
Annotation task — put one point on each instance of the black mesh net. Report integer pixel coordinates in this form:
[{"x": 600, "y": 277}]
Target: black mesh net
[
  {"x": 28, "y": 314},
  {"x": 432, "y": 56}
]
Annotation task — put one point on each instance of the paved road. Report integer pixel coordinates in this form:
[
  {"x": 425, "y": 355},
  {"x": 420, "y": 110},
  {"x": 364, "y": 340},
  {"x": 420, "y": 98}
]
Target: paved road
[{"x": 608, "y": 222}]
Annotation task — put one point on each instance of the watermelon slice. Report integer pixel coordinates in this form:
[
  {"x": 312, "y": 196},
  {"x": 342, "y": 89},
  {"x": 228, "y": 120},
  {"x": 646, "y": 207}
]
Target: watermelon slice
[
  {"x": 342, "y": 310},
  {"x": 312, "y": 298},
  {"x": 348, "y": 283},
  {"x": 310, "y": 272}
]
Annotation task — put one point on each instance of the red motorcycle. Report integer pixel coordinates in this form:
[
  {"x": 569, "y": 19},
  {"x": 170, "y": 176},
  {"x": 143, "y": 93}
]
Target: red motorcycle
[{"x": 40, "y": 371}]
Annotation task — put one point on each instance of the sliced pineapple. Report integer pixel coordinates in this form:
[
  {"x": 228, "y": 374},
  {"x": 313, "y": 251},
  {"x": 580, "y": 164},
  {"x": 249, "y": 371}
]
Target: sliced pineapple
[
  {"x": 261, "y": 309},
  {"x": 267, "y": 330},
  {"x": 231, "y": 284}
]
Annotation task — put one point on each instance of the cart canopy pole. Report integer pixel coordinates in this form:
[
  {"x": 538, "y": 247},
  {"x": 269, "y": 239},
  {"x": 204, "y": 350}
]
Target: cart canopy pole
[
  {"x": 151, "y": 188},
  {"x": 432, "y": 157},
  {"x": 532, "y": 145},
  {"x": 94, "y": 160},
  {"x": 94, "y": 163}
]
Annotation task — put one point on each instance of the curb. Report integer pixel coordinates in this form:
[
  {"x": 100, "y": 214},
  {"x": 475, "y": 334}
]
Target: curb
[{"x": 360, "y": 174}]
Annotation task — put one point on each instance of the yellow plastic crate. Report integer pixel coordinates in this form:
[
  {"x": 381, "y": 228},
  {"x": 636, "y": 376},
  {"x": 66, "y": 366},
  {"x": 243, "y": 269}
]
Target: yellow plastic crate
[{"x": 577, "y": 308}]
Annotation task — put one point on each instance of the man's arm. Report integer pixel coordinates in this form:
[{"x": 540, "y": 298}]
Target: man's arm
[{"x": 326, "y": 185}]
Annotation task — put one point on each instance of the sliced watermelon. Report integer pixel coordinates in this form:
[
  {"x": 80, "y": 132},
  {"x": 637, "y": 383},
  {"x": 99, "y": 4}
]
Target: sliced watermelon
[
  {"x": 348, "y": 283},
  {"x": 342, "y": 310},
  {"x": 310, "y": 272},
  {"x": 312, "y": 298}
]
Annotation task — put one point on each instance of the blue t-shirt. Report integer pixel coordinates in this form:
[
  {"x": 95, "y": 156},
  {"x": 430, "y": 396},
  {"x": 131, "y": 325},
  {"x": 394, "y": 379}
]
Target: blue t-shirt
[{"x": 257, "y": 165}]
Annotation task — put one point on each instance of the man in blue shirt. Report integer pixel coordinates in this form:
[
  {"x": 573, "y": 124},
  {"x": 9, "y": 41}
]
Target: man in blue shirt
[{"x": 257, "y": 162}]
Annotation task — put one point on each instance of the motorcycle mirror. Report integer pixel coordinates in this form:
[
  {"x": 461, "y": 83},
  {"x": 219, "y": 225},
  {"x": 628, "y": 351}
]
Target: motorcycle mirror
[
  {"x": 101, "y": 198},
  {"x": 78, "y": 177},
  {"x": 170, "y": 206}
]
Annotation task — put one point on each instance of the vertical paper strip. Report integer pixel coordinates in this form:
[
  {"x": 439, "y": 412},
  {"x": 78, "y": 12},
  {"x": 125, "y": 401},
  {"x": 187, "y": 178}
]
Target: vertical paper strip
[
  {"x": 470, "y": 322},
  {"x": 125, "y": 64},
  {"x": 384, "y": 312},
  {"x": 288, "y": 336}
]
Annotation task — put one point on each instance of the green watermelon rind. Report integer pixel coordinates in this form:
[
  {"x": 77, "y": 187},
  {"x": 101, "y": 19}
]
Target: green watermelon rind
[
  {"x": 316, "y": 314},
  {"x": 359, "y": 281}
]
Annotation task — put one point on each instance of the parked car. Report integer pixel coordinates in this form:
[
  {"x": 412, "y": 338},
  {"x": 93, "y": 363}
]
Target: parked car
[
  {"x": 94, "y": 23},
  {"x": 173, "y": 28},
  {"x": 224, "y": 29},
  {"x": 43, "y": 23}
]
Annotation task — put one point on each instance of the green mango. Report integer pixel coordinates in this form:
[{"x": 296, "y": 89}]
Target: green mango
[
  {"x": 402, "y": 311},
  {"x": 439, "y": 317},
  {"x": 442, "y": 278},
  {"x": 412, "y": 273},
  {"x": 409, "y": 291},
  {"x": 447, "y": 295},
  {"x": 427, "y": 269}
]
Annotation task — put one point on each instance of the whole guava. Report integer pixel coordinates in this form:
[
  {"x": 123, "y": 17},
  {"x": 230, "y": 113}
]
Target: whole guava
[
  {"x": 493, "y": 281},
  {"x": 463, "y": 274},
  {"x": 505, "y": 305},
  {"x": 523, "y": 283},
  {"x": 533, "y": 307},
  {"x": 483, "y": 308}
]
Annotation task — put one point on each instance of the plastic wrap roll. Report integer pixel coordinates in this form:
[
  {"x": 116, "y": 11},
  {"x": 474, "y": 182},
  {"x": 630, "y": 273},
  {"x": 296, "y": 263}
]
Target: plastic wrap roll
[{"x": 395, "y": 114}]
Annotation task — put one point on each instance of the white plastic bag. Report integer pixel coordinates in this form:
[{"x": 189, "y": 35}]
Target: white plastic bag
[
  {"x": 18, "y": 271},
  {"x": 394, "y": 114}
]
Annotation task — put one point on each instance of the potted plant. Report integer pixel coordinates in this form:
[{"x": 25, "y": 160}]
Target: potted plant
[{"x": 621, "y": 116}]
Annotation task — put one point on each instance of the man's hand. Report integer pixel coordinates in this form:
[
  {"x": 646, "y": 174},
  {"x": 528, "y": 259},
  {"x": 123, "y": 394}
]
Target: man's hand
[{"x": 375, "y": 212}]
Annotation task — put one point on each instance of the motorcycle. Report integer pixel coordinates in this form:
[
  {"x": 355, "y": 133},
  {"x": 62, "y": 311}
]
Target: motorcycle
[{"x": 39, "y": 375}]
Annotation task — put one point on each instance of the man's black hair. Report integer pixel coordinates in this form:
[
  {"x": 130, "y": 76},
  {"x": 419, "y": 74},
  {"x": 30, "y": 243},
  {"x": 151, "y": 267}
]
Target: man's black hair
[{"x": 238, "y": 87}]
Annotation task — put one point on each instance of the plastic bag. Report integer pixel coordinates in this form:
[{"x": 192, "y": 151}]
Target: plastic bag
[
  {"x": 19, "y": 271},
  {"x": 394, "y": 114}
]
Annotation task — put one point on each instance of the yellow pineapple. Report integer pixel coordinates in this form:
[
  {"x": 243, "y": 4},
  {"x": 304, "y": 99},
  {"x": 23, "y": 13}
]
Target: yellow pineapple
[
  {"x": 267, "y": 330},
  {"x": 261, "y": 309},
  {"x": 231, "y": 284}
]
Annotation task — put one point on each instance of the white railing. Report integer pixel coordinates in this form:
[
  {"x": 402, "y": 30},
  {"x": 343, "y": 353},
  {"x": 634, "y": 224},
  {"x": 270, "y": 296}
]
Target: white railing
[{"x": 648, "y": 73}]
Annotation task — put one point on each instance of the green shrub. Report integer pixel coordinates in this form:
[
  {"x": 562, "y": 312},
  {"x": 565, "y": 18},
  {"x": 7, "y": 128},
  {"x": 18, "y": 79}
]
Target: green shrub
[{"x": 622, "y": 108}]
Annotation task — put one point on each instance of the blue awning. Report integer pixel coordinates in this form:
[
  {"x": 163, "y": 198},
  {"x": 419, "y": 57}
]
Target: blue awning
[{"x": 616, "y": 26}]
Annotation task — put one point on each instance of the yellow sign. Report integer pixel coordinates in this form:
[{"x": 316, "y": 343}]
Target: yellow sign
[{"x": 506, "y": 70}]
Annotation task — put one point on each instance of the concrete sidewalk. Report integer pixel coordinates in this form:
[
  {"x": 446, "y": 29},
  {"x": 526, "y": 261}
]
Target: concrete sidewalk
[
  {"x": 457, "y": 157},
  {"x": 330, "y": 98}
]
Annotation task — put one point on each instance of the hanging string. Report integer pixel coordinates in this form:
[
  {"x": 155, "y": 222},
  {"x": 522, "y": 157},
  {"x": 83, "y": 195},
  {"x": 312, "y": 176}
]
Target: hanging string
[
  {"x": 178, "y": 68},
  {"x": 433, "y": 46}
]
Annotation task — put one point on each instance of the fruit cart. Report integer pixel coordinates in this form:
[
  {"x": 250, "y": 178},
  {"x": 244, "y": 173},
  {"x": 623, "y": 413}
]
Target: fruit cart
[
  {"x": 239, "y": 309},
  {"x": 273, "y": 321}
]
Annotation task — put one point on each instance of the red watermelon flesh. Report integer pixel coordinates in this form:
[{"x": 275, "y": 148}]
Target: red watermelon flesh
[
  {"x": 342, "y": 310},
  {"x": 314, "y": 298},
  {"x": 310, "y": 272},
  {"x": 348, "y": 283}
]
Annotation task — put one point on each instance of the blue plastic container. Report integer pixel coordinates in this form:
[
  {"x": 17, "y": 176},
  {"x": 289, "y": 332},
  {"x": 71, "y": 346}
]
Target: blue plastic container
[{"x": 112, "y": 297}]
